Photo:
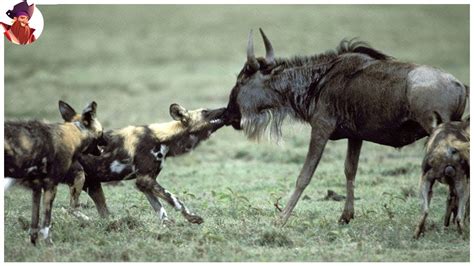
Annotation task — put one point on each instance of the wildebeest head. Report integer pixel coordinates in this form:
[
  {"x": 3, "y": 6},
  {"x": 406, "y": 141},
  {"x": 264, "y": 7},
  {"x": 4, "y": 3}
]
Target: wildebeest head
[
  {"x": 253, "y": 104},
  {"x": 201, "y": 122},
  {"x": 87, "y": 122}
]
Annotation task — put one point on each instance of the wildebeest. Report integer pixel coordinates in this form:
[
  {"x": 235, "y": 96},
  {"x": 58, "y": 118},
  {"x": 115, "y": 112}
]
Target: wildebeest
[
  {"x": 446, "y": 161},
  {"x": 354, "y": 92},
  {"x": 40, "y": 154},
  {"x": 139, "y": 152}
]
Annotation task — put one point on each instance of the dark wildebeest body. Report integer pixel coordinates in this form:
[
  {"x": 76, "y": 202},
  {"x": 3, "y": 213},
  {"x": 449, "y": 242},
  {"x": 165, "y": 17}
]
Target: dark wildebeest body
[
  {"x": 447, "y": 161},
  {"x": 355, "y": 92},
  {"x": 139, "y": 152},
  {"x": 39, "y": 155}
]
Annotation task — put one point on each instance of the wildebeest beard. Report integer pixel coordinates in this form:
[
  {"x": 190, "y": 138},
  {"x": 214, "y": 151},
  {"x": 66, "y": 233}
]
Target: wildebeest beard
[
  {"x": 296, "y": 92},
  {"x": 22, "y": 33},
  {"x": 269, "y": 121}
]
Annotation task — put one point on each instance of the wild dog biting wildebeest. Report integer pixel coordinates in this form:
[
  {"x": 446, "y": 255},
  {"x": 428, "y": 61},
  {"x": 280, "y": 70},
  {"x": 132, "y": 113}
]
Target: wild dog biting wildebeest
[
  {"x": 39, "y": 155},
  {"x": 354, "y": 92},
  {"x": 446, "y": 161},
  {"x": 139, "y": 152}
]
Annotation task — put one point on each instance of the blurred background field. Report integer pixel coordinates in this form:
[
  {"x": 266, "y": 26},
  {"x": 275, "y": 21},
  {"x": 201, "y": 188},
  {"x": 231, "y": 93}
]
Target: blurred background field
[{"x": 137, "y": 60}]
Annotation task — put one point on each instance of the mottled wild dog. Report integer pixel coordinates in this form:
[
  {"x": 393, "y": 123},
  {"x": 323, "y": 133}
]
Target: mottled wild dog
[
  {"x": 39, "y": 155},
  {"x": 355, "y": 93},
  {"x": 446, "y": 161},
  {"x": 139, "y": 152}
]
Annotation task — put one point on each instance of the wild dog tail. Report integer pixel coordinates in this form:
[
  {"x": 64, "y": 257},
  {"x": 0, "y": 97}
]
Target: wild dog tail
[{"x": 8, "y": 182}]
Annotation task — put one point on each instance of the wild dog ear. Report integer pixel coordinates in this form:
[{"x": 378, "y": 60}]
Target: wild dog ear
[
  {"x": 89, "y": 113},
  {"x": 436, "y": 120},
  {"x": 67, "y": 112},
  {"x": 179, "y": 113},
  {"x": 466, "y": 124}
]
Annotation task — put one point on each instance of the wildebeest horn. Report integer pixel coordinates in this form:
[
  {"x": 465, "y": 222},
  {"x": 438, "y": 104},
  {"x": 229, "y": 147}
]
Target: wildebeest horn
[
  {"x": 251, "y": 60},
  {"x": 270, "y": 56}
]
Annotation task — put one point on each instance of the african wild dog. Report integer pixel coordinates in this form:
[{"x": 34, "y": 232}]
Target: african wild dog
[
  {"x": 446, "y": 161},
  {"x": 39, "y": 155},
  {"x": 139, "y": 152},
  {"x": 355, "y": 92}
]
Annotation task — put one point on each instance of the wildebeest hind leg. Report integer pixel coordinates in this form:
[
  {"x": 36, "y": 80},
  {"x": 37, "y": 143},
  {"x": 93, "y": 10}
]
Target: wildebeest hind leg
[
  {"x": 319, "y": 137},
  {"x": 350, "y": 170},
  {"x": 97, "y": 195}
]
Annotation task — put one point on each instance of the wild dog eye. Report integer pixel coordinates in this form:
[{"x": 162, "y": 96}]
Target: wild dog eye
[{"x": 426, "y": 167}]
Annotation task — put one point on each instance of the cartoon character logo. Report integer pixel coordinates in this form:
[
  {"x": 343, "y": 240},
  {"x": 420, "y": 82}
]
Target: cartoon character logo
[{"x": 21, "y": 30}]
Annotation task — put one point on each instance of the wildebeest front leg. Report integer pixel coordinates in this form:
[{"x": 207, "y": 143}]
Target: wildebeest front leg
[
  {"x": 48, "y": 199},
  {"x": 36, "y": 196},
  {"x": 319, "y": 137},
  {"x": 426, "y": 192},
  {"x": 350, "y": 170}
]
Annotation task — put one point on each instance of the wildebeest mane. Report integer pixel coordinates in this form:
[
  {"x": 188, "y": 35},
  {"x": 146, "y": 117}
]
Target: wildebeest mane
[{"x": 345, "y": 46}]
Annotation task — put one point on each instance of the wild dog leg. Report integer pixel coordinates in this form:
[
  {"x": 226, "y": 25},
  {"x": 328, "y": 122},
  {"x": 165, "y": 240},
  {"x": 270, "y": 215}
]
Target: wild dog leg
[
  {"x": 451, "y": 206},
  {"x": 350, "y": 170},
  {"x": 145, "y": 183},
  {"x": 156, "y": 204},
  {"x": 48, "y": 199},
  {"x": 319, "y": 137},
  {"x": 34, "y": 229},
  {"x": 78, "y": 178},
  {"x": 97, "y": 195},
  {"x": 426, "y": 192},
  {"x": 462, "y": 192}
]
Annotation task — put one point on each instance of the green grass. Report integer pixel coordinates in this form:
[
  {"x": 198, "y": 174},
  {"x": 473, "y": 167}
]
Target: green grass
[{"x": 137, "y": 60}]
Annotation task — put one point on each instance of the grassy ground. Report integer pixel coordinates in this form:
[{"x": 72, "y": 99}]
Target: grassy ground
[{"x": 137, "y": 60}]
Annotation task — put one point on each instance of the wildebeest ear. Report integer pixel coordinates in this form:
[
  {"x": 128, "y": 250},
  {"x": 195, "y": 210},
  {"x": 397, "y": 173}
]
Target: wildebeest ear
[
  {"x": 436, "y": 120},
  {"x": 67, "y": 112},
  {"x": 88, "y": 114},
  {"x": 179, "y": 113}
]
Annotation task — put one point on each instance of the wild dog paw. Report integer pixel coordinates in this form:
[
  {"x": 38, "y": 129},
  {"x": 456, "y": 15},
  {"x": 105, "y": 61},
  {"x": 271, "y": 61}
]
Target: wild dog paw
[{"x": 195, "y": 219}]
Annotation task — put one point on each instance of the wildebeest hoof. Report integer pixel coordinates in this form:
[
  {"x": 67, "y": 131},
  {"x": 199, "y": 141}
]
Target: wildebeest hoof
[
  {"x": 195, "y": 219},
  {"x": 346, "y": 217}
]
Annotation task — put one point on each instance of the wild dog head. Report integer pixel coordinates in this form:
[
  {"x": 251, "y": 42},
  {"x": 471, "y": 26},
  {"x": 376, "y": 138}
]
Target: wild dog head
[
  {"x": 88, "y": 124},
  {"x": 202, "y": 122},
  {"x": 447, "y": 151},
  {"x": 198, "y": 125},
  {"x": 447, "y": 161}
]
